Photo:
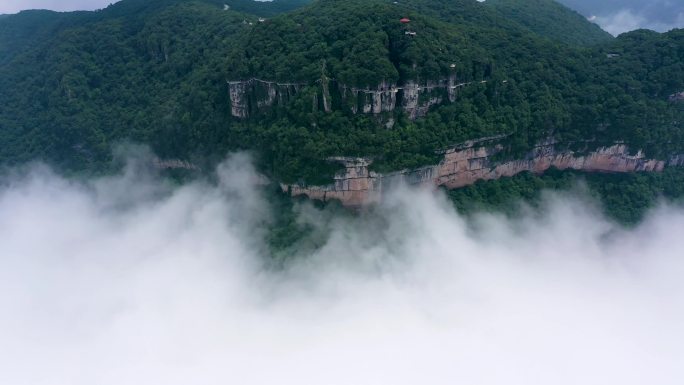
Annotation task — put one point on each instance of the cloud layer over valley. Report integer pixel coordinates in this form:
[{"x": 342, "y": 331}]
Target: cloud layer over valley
[{"x": 130, "y": 280}]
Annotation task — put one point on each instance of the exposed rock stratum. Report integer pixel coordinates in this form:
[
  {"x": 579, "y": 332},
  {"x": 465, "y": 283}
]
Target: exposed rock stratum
[{"x": 464, "y": 165}]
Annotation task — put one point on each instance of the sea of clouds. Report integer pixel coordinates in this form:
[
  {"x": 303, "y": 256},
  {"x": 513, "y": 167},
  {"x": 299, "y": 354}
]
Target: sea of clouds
[{"x": 130, "y": 279}]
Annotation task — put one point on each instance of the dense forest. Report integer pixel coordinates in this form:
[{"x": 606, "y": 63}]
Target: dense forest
[
  {"x": 156, "y": 72},
  {"x": 625, "y": 198},
  {"x": 552, "y": 20}
]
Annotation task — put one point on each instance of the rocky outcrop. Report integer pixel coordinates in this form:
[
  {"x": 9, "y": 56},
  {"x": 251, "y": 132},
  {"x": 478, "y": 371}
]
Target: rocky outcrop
[
  {"x": 464, "y": 165},
  {"x": 383, "y": 98},
  {"x": 249, "y": 96},
  {"x": 238, "y": 99},
  {"x": 676, "y": 160},
  {"x": 174, "y": 164},
  {"x": 414, "y": 97},
  {"x": 355, "y": 186},
  {"x": 677, "y": 97},
  {"x": 327, "y": 98},
  {"x": 418, "y": 98}
]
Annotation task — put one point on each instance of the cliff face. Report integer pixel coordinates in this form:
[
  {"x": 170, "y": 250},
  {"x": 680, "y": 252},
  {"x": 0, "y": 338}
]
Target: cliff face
[
  {"x": 238, "y": 99},
  {"x": 415, "y": 98},
  {"x": 677, "y": 160},
  {"x": 383, "y": 98},
  {"x": 174, "y": 164},
  {"x": 354, "y": 186},
  {"x": 248, "y": 96},
  {"x": 464, "y": 165},
  {"x": 418, "y": 98}
]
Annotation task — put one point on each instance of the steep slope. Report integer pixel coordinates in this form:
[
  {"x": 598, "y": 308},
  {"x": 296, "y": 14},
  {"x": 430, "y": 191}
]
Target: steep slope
[
  {"x": 142, "y": 77},
  {"x": 361, "y": 43},
  {"x": 31, "y": 27},
  {"x": 254, "y": 7},
  {"x": 266, "y": 8},
  {"x": 548, "y": 18},
  {"x": 540, "y": 89},
  {"x": 335, "y": 78}
]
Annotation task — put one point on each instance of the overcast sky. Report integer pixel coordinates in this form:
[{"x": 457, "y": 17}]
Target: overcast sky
[
  {"x": 13, "y": 6},
  {"x": 615, "y": 16}
]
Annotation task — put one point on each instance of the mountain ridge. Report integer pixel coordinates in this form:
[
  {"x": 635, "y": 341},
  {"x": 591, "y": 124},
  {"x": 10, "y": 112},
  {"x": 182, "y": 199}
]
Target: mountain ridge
[
  {"x": 553, "y": 20},
  {"x": 159, "y": 75}
]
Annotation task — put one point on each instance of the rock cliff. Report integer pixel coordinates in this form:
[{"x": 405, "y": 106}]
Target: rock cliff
[
  {"x": 414, "y": 97},
  {"x": 174, "y": 164},
  {"x": 249, "y": 96},
  {"x": 383, "y": 98},
  {"x": 463, "y": 165}
]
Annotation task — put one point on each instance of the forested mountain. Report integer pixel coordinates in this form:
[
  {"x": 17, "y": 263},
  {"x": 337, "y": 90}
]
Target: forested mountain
[
  {"x": 27, "y": 28},
  {"x": 157, "y": 72},
  {"x": 553, "y": 20},
  {"x": 265, "y": 9}
]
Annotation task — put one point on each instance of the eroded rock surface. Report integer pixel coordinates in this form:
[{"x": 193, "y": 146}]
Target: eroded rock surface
[
  {"x": 461, "y": 166},
  {"x": 174, "y": 164},
  {"x": 248, "y": 96},
  {"x": 414, "y": 97}
]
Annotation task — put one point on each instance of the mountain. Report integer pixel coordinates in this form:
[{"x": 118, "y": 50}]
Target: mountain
[
  {"x": 552, "y": 20},
  {"x": 31, "y": 28},
  {"x": 258, "y": 8},
  {"x": 332, "y": 78},
  {"x": 265, "y": 8}
]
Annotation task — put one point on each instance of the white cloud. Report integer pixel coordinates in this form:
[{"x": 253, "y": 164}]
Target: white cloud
[
  {"x": 127, "y": 280},
  {"x": 627, "y": 20},
  {"x": 620, "y": 22}
]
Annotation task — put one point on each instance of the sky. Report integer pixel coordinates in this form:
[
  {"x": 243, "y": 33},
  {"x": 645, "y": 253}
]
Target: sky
[
  {"x": 127, "y": 279},
  {"x": 14, "y": 6},
  {"x": 615, "y": 16}
]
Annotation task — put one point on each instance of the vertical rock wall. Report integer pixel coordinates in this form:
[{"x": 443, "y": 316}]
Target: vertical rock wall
[
  {"x": 248, "y": 96},
  {"x": 413, "y": 97},
  {"x": 464, "y": 165},
  {"x": 355, "y": 186},
  {"x": 381, "y": 99},
  {"x": 418, "y": 98},
  {"x": 676, "y": 160},
  {"x": 239, "y": 107}
]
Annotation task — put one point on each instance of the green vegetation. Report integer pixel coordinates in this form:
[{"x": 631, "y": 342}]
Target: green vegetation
[
  {"x": 359, "y": 43},
  {"x": 624, "y": 197},
  {"x": 297, "y": 227},
  {"x": 32, "y": 28},
  {"x": 265, "y": 8},
  {"x": 553, "y": 20},
  {"x": 155, "y": 72}
]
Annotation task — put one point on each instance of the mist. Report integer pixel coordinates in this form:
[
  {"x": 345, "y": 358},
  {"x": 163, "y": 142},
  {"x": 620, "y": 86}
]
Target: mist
[
  {"x": 130, "y": 279},
  {"x": 618, "y": 16}
]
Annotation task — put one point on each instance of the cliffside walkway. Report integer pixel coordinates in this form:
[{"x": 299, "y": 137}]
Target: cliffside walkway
[{"x": 354, "y": 89}]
